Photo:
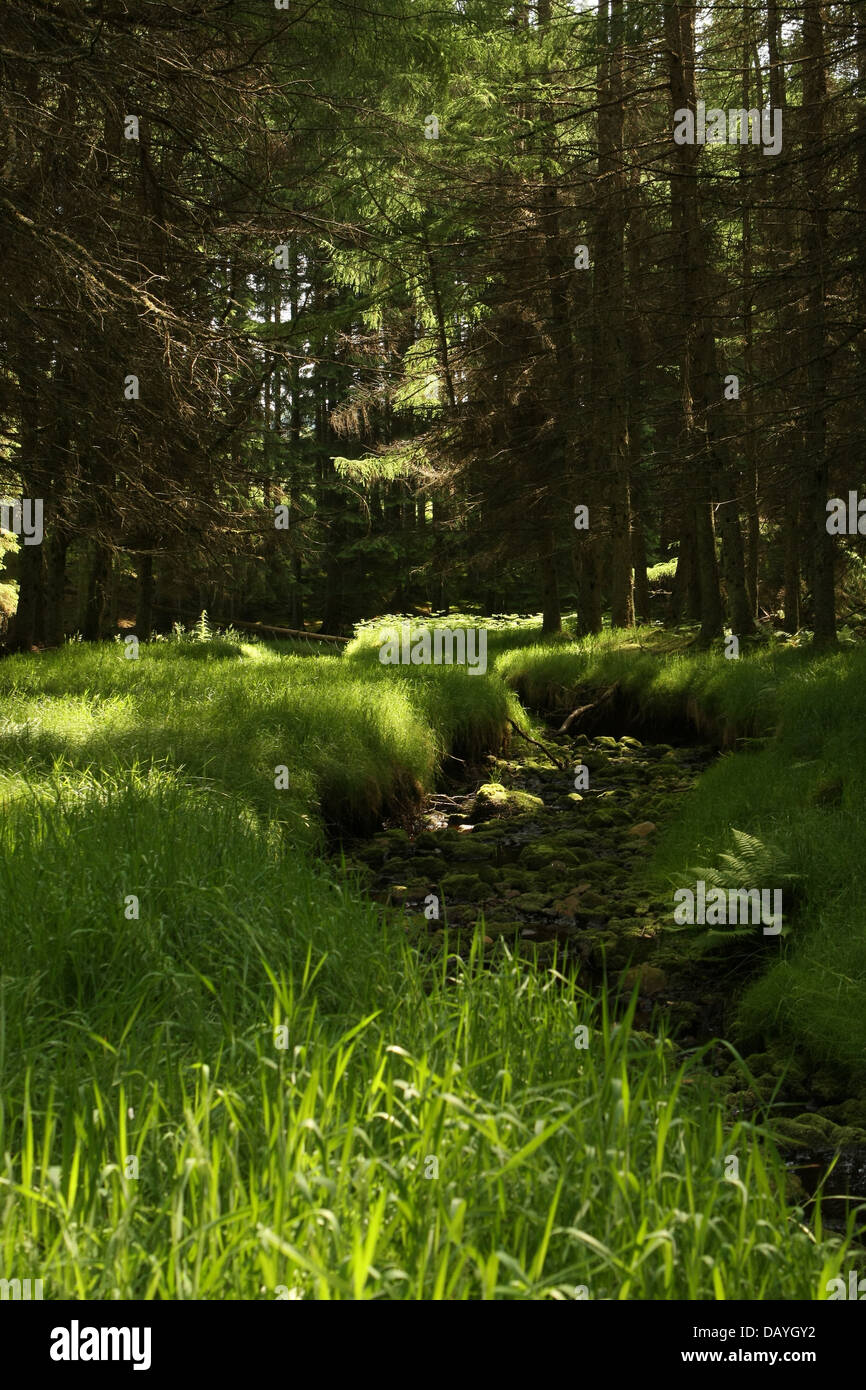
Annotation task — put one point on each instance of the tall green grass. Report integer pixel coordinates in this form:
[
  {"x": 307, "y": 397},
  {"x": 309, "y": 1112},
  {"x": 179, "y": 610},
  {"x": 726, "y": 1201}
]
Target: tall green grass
[
  {"x": 704, "y": 691},
  {"x": 355, "y": 740},
  {"x": 414, "y": 1133},
  {"x": 225, "y": 1074}
]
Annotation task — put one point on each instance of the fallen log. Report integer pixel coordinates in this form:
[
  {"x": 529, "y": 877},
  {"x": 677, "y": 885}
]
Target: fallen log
[
  {"x": 287, "y": 631},
  {"x": 259, "y": 627}
]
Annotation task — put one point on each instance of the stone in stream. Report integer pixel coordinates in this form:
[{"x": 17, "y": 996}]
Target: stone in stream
[
  {"x": 494, "y": 800},
  {"x": 540, "y": 856},
  {"x": 649, "y": 979},
  {"x": 464, "y": 887},
  {"x": 466, "y": 851},
  {"x": 545, "y": 861}
]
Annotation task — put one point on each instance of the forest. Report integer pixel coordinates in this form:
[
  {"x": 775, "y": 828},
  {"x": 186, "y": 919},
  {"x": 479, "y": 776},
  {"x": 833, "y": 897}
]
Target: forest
[{"x": 432, "y": 650}]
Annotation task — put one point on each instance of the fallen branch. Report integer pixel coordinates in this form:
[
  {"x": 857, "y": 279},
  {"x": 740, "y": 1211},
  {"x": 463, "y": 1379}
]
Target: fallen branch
[
  {"x": 288, "y": 631},
  {"x": 256, "y": 627},
  {"x": 584, "y": 709},
  {"x": 546, "y": 751}
]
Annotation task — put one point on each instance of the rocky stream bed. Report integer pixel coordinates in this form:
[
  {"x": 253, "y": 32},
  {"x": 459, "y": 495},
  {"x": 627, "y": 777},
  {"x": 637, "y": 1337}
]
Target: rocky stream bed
[{"x": 512, "y": 851}]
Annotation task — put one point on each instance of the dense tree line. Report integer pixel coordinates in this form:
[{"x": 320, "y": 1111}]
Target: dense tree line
[{"x": 311, "y": 312}]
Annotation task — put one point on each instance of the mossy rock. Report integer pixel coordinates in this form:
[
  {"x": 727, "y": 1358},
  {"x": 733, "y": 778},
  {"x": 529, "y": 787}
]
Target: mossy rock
[
  {"x": 684, "y": 1014},
  {"x": 814, "y": 1131},
  {"x": 851, "y": 1113},
  {"x": 495, "y": 927},
  {"x": 488, "y": 874},
  {"x": 400, "y": 870},
  {"x": 601, "y": 947},
  {"x": 469, "y": 849},
  {"x": 765, "y": 1085},
  {"x": 418, "y": 888},
  {"x": 826, "y": 1085},
  {"x": 539, "y": 855},
  {"x": 427, "y": 865},
  {"x": 758, "y": 1062},
  {"x": 532, "y": 902},
  {"x": 513, "y": 877},
  {"x": 371, "y": 854},
  {"x": 649, "y": 979},
  {"x": 542, "y": 951},
  {"x": 590, "y": 898},
  {"x": 491, "y": 830},
  {"x": 464, "y": 887},
  {"x": 571, "y": 838},
  {"x": 427, "y": 840},
  {"x": 599, "y": 870},
  {"x": 493, "y": 800}
]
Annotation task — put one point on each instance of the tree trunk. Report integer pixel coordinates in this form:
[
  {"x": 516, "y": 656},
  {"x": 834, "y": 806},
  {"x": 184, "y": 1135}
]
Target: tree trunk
[
  {"x": 791, "y": 550},
  {"x": 24, "y": 627},
  {"x": 587, "y": 573},
  {"x": 747, "y": 165},
  {"x": 611, "y": 441},
  {"x": 552, "y": 614},
  {"x": 639, "y": 561},
  {"x": 96, "y": 592},
  {"x": 685, "y": 604},
  {"x": 814, "y": 103},
  {"x": 56, "y": 548},
  {"x": 144, "y": 598},
  {"x": 702, "y": 383}
]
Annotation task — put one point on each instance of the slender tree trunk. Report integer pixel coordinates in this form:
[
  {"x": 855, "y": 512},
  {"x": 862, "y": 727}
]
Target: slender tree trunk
[
  {"x": 791, "y": 560},
  {"x": 747, "y": 164},
  {"x": 24, "y": 628},
  {"x": 639, "y": 561},
  {"x": 552, "y": 613},
  {"x": 587, "y": 573},
  {"x": 610, "y": 279},
  {"x": 56, "y": 547},
  {"x": 25, "y": 625},
  {"x": 702, "y": 382},
  {"x": 636, "y": 357},
  {"x": 144, "y": 598},
  {"x": 96, "y": 592},
  {"x": 814, "y": 104},
  {"x": 685, "y": 603}
]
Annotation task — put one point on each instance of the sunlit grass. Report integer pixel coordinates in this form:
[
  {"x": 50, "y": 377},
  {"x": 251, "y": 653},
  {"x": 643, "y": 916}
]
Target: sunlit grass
[
  {"x": 414, "y": 1133},
  {"x": 353, "y": 739},
  {"x": 311, "y": 1110}
]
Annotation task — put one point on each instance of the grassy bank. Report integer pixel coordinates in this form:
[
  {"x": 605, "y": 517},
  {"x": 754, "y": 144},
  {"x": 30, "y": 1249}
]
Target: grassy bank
[
  {"x": 224, "y": 1074},
  {"x": 354, "y": 740}
]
